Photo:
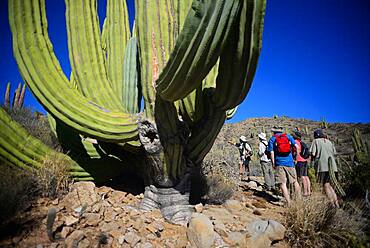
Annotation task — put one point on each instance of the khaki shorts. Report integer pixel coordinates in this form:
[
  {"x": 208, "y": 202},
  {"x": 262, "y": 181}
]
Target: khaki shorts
[{"x": 286, "y": 174}]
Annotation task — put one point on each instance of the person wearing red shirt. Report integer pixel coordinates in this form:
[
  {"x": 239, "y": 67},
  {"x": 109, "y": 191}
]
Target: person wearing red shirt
[{"x": 302, "y": 165}]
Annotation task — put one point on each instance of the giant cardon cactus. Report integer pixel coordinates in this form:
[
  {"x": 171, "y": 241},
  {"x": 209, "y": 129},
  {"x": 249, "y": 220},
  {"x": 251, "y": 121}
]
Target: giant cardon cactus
[{"x": 192, "y": 63}]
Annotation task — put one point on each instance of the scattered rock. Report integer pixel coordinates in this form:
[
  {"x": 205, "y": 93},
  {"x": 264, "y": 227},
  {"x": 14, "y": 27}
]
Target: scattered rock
[
  {"x": 116, "y": 234},
  {"x": 92, "y": 219},
  {"x": 249, "y": 205},
  {"x": 233, "y": 206},
  {"x": 257, "y": 212},
  {"x": 84, "y": 243},
  {"x": 107, "y": 227},
  {"x": 221, "y": 229},
  {"x": 109, "y": 215},
  {"x": 132, "y": 238},
  {"x": 220, "y": 215},
  {"x": 200, "y": 232},
  {"x": 238, "y": 239},
  {"x": 146, "y": 245},
  {"x": 72, "y": 240},
  {"x": 66, "y": 231},
  {"x": 252, "y": 185},
  {"x": 116, "y": 197},
  {"x": 70, "y": 220},
  {"x": 262, "y": 233},
  {"x": 54, "y": 245},
  {"x": 81, "y": 193},
  {"x": 198, "y": 208}
]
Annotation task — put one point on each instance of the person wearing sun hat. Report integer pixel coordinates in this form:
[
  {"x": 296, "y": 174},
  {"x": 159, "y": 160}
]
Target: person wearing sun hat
[
  {"x": 265, "y": 162},
  {"x": 245, "y": 152},
  {"x": 280, "y": 149}
]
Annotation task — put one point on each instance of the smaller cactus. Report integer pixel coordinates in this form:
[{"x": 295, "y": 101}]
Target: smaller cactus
[
  {"x": 18, "y": 98},
  {"x": 361, "y": 147},
  {"x": 52, "y": 213}
]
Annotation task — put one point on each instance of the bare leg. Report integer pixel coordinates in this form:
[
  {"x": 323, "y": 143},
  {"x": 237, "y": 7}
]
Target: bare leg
[
  {"x": 285, "y": 191},
  {"x": 297, "y": 189},
  {"x": 306, "y": 185},
  {"x": 241, "y": 169},
  {"x": 330, "y": 193}
]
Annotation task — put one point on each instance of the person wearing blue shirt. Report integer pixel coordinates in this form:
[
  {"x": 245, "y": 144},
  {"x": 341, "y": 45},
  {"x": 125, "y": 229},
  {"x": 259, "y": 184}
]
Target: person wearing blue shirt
[{"x": 283, "y": 163}]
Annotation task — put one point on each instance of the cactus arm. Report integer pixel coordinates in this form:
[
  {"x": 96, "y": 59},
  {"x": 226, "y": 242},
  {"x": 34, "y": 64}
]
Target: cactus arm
[
  {"x": 191, "y": 107},
  {"x": 157, "y": 24},
  {"x": 204, "y": 132},
  {"x": 86, "y": 53},
  {"x": 41, "y": 70},
  {"x": 238, "y": 61},
  {"x": 116, "y": 34},
  {"x": 19, "y": 148},
  {"x": 7, "y": 96},
  {"x": 130, "y": 90},
  {"x": 198, "y": 47}
]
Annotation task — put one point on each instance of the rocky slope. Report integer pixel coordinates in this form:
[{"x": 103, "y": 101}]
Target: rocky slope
[{"x": 90, "y": 216}]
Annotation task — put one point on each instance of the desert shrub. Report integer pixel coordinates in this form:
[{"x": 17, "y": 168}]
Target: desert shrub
[
  {"x": 313, "y": 222},
  {"x": 17, "y": 189},
  {"x": 36, "y": 125},
  {"x": 53, "y": 178},
  {"x": 218, "y": 188},
  {"x": 220, "y": 180}
]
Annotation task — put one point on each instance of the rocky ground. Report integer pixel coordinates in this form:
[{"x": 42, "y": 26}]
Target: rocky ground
[{"x": 90, "y": 216}]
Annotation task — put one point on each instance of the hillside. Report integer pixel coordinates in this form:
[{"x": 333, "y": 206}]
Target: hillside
[{"x": 222, "y": 152}]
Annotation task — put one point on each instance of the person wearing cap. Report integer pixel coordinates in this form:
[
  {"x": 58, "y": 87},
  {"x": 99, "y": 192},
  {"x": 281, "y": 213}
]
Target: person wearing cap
[
  {"x": 302, "y": 165},
  {"x": 266, "y": 165},
  {"x": 323, "y": 154},
  {"x": 245, "y": 152},
  {"x": 283, "y": 162}
]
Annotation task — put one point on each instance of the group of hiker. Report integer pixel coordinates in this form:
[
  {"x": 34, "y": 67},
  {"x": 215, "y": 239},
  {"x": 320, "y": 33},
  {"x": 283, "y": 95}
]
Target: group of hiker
[{"x": 284, "y": 160}]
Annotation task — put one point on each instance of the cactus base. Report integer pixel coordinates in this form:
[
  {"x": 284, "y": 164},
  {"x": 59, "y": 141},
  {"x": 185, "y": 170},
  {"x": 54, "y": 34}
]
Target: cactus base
[{"x": 172, "y": 202}]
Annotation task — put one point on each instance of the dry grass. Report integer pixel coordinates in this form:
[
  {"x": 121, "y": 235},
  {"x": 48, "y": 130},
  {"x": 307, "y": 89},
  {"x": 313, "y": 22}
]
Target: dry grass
[
  {"x": 313, "y": 222},
  {"x": 53, "y": 178}
]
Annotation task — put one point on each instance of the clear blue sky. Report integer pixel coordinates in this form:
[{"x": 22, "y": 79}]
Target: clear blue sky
[{"x": 314, "y": 62}]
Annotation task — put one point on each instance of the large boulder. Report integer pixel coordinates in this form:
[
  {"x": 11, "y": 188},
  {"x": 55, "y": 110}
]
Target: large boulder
[
  {"x": 262, "y": 233},
  {"x": 200, "y": 231}
]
